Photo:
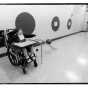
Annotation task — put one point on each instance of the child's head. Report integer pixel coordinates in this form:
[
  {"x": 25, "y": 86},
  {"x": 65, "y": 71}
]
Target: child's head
[{"x": 20, "y": 32}]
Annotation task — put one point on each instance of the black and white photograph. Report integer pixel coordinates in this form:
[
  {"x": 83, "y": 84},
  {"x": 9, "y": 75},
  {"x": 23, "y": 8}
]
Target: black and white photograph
[{"x": 43, "y": 43}]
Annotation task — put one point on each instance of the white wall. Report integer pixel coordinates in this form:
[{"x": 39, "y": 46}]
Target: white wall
[{"x": 43, "y": 15}]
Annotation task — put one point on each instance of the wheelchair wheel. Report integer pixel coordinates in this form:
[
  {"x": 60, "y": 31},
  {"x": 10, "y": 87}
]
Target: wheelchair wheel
[
  {"x": 24, "y": 70},
  {"x": 12, "y": 58},
  {"x": 24, "y": 65},
  {"x": 35, "y": 63}
]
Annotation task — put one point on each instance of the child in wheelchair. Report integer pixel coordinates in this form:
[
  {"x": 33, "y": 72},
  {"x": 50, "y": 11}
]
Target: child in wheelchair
[
  {"x": 28, "y": 51},
  {"x": 16, "y": 56}
]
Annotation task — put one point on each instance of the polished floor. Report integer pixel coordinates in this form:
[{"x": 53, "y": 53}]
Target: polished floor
[{"x": 66, "y": 61}]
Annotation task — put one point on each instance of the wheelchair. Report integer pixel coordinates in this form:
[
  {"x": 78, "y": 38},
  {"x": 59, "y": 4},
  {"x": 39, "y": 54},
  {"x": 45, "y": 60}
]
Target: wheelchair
[
  {"x": 16, "y": 55},
  {"x": 8, "y": 37}
]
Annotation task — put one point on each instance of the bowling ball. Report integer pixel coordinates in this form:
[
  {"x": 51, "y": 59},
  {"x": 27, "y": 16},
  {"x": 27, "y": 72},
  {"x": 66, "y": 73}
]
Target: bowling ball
[{"x": 48, "y": 41}]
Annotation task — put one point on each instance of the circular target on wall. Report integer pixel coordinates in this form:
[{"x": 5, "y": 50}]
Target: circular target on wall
[
  {"x": 26, "y": 22},
  {"x": 69, "y": 23},
  {"x": 55, "y": 23}
]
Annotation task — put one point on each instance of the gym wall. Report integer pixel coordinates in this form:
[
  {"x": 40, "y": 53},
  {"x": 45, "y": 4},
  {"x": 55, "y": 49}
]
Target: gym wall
[{"x": 43, "y": 15}]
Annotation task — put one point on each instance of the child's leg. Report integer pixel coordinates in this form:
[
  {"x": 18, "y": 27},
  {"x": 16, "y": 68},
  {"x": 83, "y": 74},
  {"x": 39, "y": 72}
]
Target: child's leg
[{"x": 25, "y": 53}]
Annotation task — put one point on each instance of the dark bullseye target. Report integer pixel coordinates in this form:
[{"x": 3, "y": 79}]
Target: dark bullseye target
[
  {"x": 55, "y": 23},
  {"x": 26, "y": 22},
  {"x": 69, "y": 23}
]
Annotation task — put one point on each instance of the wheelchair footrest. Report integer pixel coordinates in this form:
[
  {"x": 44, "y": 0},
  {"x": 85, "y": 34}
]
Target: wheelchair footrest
[{"x": 29, "y": 61}]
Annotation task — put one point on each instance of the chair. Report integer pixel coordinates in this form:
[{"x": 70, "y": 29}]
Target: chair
[{"x": 15, "y": 49}]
